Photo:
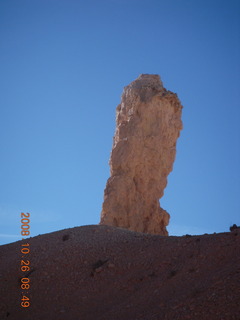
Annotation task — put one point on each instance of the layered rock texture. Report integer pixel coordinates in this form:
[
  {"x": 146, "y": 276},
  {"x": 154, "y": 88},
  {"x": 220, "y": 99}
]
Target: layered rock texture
[{"x": 148, "y": 124}]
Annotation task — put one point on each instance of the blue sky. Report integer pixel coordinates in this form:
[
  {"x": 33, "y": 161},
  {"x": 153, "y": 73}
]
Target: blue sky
[{"x": 64, "y": 64}]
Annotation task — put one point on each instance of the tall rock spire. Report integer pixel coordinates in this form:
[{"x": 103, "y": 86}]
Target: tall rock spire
[{"x": 148, "y": 124}]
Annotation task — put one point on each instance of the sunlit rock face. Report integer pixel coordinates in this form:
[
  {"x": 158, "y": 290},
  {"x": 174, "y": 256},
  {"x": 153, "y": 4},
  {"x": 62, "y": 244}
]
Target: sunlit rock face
[{"x": 148, "y": 124}]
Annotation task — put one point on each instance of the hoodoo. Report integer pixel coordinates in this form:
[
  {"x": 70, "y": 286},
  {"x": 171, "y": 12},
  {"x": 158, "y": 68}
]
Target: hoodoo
[{"x": 148, "y": 124}]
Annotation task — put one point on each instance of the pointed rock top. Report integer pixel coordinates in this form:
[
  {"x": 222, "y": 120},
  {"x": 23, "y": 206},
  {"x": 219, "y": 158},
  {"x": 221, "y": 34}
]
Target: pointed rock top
[{"x": 147, "y": 81}]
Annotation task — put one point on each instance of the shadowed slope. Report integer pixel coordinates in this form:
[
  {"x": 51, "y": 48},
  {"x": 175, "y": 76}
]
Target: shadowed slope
[{"x": 102, "y": 272}]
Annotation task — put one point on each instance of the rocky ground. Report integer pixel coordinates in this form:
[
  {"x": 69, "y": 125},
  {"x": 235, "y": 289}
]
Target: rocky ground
[{"x": 106, "y": 273}]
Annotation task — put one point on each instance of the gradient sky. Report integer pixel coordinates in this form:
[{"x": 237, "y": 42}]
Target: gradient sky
[{"x": 64, "y": 64}]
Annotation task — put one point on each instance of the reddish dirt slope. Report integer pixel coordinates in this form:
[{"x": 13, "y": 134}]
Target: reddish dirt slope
[{"x": 106, "y": 273}]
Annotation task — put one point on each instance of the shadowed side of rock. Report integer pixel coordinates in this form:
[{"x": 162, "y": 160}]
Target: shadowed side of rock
[{"x": 148, "y": 123}]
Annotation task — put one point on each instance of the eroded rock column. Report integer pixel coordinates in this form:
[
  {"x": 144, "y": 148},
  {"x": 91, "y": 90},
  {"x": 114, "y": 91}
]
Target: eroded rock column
[{"x": 148, "y": 124}]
